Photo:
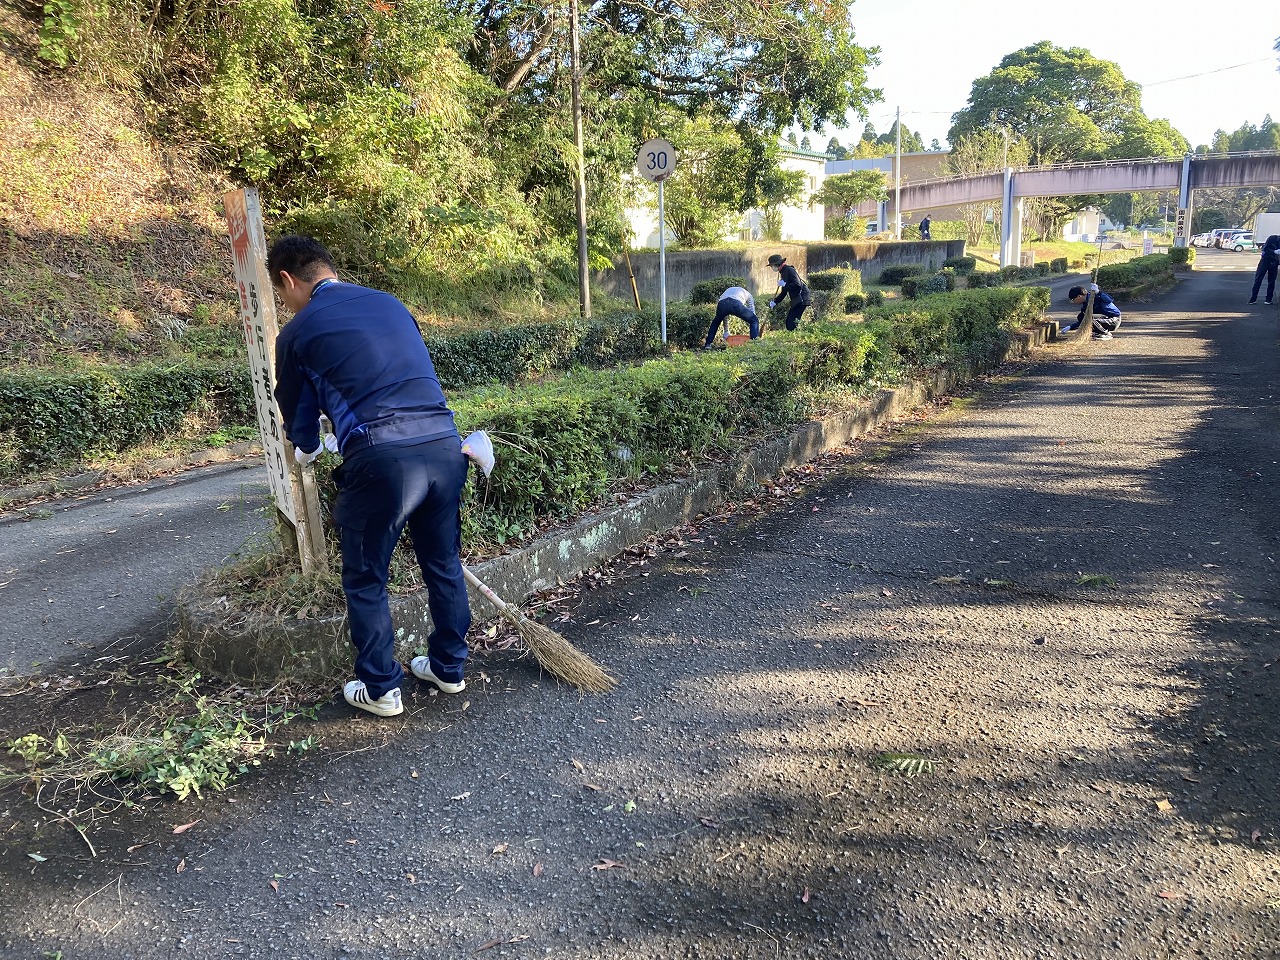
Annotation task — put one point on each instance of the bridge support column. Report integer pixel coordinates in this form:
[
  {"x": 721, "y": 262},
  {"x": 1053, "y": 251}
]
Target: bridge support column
[
  {"x": 1007, "y": 214},
  {"x": 1016, "y": 257},
  {"x": 1182, "y": 231}
]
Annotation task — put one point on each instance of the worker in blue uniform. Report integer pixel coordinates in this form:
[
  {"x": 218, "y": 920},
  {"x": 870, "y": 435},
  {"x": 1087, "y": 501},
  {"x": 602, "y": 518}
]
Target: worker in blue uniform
[
  {"x": 1106, "y": 315},
  {"x": 356, "y": 355},
  {"x": 790, "y": 285}
]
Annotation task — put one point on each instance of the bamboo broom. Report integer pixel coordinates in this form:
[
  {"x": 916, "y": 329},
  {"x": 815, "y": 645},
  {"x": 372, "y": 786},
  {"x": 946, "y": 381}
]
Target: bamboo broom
[{"x": 557, "y": 655}]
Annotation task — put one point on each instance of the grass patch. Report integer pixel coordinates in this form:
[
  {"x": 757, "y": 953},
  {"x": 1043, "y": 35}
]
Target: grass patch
[{"x": 1095, "y": 581}]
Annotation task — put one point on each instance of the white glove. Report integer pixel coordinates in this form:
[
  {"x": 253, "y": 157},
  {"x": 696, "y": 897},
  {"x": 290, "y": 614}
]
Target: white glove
[
  {"x": 331, "y": 443},
  {"x": 772, "y": 304},
  {"x": 307, "y": 459},
  {"x": 1095, "y": 288},
  {"x": 479, "y": 448}
]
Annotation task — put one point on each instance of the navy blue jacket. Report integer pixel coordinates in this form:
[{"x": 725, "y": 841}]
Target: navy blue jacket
[
  {"x": 792, "y": 286},
  {"x": 1271, "y": 251},
  {"x": 1103, "y": 306},
  {"x": 357, "y": 355}
]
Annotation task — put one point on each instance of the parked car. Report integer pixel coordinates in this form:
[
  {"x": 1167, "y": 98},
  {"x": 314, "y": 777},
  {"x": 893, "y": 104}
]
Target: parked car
[
  {"x": 1201, "y": 240},
  {"x": 1242, "y": 242},
  {"x": 1224, "y": 237}
]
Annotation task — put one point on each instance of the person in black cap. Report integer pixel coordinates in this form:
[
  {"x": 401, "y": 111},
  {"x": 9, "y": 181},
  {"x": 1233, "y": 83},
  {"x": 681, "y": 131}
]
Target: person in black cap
[
  {"x": 1267, "y": 268},
  {"x": 925, "y": 226},
  {"x": 790, "y": 285}
]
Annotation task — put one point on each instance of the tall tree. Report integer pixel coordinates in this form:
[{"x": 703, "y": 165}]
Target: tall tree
[{"x": 1066, "y": 103}]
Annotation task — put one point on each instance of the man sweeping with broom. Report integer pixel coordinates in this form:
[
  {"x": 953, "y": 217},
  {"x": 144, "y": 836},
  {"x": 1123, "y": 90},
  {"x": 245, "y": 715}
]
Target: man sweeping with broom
[{"x": 356, "y": 354}]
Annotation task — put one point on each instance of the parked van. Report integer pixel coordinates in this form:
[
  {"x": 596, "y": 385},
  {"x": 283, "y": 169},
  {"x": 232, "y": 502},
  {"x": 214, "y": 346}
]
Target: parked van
[{"x": 1266, "y": 225}]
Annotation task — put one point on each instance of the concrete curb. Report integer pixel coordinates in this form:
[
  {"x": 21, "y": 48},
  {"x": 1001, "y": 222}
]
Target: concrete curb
[{"x": 320, "y": 649}]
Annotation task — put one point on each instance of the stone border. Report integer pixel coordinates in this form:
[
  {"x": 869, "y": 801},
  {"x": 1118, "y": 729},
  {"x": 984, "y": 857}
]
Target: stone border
[{"x": 320, "y": 649}]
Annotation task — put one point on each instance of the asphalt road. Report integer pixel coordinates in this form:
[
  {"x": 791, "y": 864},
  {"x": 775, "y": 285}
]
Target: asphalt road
[
  {"x": 1105, "y": 780},
  {"x": 82, "y": 576}
]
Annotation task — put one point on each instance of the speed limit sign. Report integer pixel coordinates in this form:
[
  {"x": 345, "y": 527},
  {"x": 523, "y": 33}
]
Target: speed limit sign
[{"x": 656, "y": 160}]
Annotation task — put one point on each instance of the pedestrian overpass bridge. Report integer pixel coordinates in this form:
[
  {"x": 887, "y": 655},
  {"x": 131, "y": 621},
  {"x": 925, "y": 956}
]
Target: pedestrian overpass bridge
[{"x": 1012, "y": 185}]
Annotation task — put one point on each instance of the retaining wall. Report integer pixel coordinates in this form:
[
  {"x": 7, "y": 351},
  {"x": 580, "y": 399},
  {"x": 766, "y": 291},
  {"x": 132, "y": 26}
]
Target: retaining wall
[{"x": 687, "y": 267}]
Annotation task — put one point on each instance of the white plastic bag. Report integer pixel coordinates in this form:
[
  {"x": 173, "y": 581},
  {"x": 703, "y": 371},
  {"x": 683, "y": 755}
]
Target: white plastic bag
[{"x": 479, "y": 448}]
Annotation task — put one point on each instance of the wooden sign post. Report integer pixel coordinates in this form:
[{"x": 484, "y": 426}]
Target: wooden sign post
[{"x": 293, "y": 488}]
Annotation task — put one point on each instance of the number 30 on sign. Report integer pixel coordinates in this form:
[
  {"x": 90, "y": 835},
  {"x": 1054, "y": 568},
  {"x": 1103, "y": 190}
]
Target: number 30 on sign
[{"x": 656, "y": 160}]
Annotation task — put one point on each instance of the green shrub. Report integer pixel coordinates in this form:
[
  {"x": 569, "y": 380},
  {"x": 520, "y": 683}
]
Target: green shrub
[
  {"x": 890, "y": 276},
  {"x": 1058, "y": 265},
  {"x": 1010, "y": 274},
  {"x": 914, "y": 287},
  {"x": 1182, "y": 257},
  {"x": 708, "y": 291},
  {"x": 51, "y": 417},
  {"x": 840, "y": 282},
  {"x": 875, "y": 298},
  {"x": 1041, "y": 269},
  {"x": 985, "y": 278},
  {"x": 961, "y": 265},
  {"x": 1137, "y": 272},
  {"x": 854, "y": 302}
]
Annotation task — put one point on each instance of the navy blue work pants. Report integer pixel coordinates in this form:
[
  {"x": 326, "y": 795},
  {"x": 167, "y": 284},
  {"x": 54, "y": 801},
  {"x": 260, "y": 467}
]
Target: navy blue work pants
[
  {"x": 729, "y": 307},
  {"x": 793, "y": 315},
  {"x": 381, "y": 490},
  {"x": 1268, "y": 270}
]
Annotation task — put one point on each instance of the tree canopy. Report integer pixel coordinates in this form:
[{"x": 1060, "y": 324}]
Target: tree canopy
[{"x": 1068, "y": 105}]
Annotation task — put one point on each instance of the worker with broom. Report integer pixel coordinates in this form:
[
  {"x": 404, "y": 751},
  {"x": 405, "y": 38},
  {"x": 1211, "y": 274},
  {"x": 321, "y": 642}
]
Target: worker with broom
[{"x": 356, "y": 355}]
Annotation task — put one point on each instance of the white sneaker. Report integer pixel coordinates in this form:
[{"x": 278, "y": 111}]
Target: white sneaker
[
  {"x": 421, "y": 667},
  {"x": 387, "y": 705},
  {"x": 1103, "y": 336}
]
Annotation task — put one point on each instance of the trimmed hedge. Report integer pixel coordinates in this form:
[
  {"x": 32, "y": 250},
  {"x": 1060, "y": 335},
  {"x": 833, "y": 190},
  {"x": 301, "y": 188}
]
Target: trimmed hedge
[
  {"x": 914, "y": 287},
  {"x": 890, "y": 276},
  {"x": 833, "y": 290},
  {"x": 1140, "y": 271},
  {"x": 961, "y": 265},
  {"x": 1182, "y": 257},
  {"x": 572, "y": 437},
  {"x": 50, "y": 417},
  {"x": 1058, "y": 265},
  {"x": 708, "y": 291}
]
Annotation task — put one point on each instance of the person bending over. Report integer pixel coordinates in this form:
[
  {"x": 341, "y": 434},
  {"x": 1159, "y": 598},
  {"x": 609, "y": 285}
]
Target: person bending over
[{"x": 734, "y": 302}]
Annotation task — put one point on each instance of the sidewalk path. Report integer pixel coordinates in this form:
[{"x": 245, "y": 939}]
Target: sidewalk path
[{"x": 1106, "y": 780}]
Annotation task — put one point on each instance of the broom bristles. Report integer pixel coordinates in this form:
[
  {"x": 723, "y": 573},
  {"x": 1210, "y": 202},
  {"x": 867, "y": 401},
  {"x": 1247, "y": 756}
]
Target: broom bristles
[{"x": 559, "y": 657}]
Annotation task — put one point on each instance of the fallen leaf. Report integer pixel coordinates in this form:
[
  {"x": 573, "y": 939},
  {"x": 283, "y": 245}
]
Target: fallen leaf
[
  {"x": 182, "y": 865},
  {"x": 342, "y": 906},
  {"x": 487, "y": 946},
  {"x": 804, "y": 897},
  {"x": 606, "y": 864},
  {"x": 537, "y": 869},
  {"x": 461, "y": 796},
  {"x": 414, "y": 774},
  {"x": 411, "y": 878},
  {"x": 353, "y": 842},
  {"x": 1190, "y": 779},
  {"x": 138, "y": 846},
  {"x": 1167, "y": 895},
  {"x": 499, "y": 849},
  {"x": 37, "y": 858},
  {"x": 1164, "y": 806},
  {"x": 577, "y": 764},
  {"x": 593, "y": 786},
  {"x": 886, "y": 593},
  {"x": 709, "y": 823},
  {"x": 185, "y": 827},
  {"x": 274, "y": 885},
  {"x": 593, "y": 623}
]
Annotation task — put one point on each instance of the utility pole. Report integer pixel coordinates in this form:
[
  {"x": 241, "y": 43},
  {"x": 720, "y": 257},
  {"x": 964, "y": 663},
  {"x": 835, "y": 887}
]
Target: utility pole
[
  {"x": 897, "y": 181},
  {"x": 580, "y": 191}
]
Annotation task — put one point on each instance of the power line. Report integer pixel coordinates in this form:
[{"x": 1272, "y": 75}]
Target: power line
[{"x": 1192, "y": 76}]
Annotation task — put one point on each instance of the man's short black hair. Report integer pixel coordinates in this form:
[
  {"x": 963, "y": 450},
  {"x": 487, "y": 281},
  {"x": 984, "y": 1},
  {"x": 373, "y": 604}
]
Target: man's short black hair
[
  {"x": 1075, "y": 292},
  {"x": 302, "y": 257}
]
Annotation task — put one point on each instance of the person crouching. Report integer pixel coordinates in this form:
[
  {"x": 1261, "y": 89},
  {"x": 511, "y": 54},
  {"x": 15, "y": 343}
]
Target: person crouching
[{"x": 1106, "y": 315}]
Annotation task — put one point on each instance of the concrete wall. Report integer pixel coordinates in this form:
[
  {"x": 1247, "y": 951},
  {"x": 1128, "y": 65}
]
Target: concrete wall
[{"x": 687, "y": 267}]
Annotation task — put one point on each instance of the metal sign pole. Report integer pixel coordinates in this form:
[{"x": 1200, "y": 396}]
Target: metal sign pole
[{"x": 662, "y": 255}]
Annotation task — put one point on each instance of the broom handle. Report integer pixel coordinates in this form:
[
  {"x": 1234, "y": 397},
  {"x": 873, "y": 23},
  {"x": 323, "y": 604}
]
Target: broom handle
[{"x": 483, "y": 587}]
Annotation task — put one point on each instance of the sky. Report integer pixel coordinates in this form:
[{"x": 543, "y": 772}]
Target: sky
[{"x": 933, "y": 50}]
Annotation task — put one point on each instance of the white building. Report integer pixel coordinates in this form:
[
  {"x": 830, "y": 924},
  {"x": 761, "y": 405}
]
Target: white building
[
  {"x": 1086, "y": 225},
  {"x": 799, "y": 221}
]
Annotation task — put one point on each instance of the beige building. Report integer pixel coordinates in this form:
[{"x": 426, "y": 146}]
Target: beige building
[{"x": 915, "y": 166}]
